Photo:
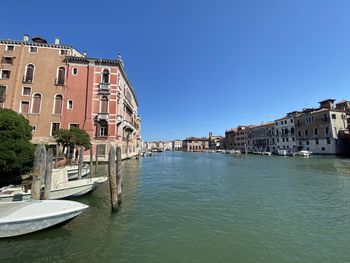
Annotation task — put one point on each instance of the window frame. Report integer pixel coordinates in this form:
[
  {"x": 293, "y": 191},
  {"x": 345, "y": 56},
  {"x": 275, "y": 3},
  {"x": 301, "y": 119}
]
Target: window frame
[
  {"x": 54, "y": 104},
  {"x": 32, "y": 104},
  {"x": 1, "y": 72},
  {"x": 25, "y": 87},
  {"x": 20, "y": 107},
  {"x": 51, "y": 128}
]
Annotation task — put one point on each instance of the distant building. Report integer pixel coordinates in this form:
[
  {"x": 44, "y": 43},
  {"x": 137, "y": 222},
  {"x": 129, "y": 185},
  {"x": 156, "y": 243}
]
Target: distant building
[
  {"x": 229, "y": 141},
  {"x": 285, "y": 136},
  {"x": 168, "y": 145},
  {"x": 194, "y": 144},
  {"x": 261, "y": 138},
  {"x": 215, "y": 141},
  {"x": 318, "y": 129},
  {"x": 177, "y": 145}
]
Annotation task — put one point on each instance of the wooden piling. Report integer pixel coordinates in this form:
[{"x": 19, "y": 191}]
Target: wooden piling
[
  {"x": 39, "y": 170},
  {"x": 112, "y": 178},
  {"x": 96, "y": 159},
  {"x": 81, "y": 159},
  {"x": 56, "y": 158},
  {"x": 91, "y": 161},
  {"x": 48, "y": 174},
  {"x": 118, "y": 173}
]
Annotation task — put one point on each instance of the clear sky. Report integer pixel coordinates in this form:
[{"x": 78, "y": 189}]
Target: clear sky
[{"x": 199, "y": 66}]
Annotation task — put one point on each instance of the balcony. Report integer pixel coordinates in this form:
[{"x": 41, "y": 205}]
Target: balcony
[
  {"x": 103, "y": 89},
  {"x": 102, "y": 117},
  {"x": 27, "y": 80},
  {"x": 119, "y": 119}
]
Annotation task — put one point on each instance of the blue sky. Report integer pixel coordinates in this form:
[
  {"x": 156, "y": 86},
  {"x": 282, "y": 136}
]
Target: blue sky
[{"x": 201, "y": 66}]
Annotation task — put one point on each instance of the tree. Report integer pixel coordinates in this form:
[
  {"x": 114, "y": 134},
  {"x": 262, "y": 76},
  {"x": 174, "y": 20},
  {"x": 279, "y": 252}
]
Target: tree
[
  {"x": 73, "y": 137},
  {"x": 16, "y": 150}
]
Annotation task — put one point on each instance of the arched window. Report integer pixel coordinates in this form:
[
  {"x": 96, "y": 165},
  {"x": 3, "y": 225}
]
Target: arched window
[
  {"x": 58, "y": 104},
  {"x": 61, "y": 75},
  {"x": 29, "y": 74},
  {"x": 292, "y": 130},
  {"x": 316, "y": 131},
  {"x": 104, "y": 104},
  {"x": 105, "y": 76},
  {"x": 36, "y": 103},
  {"x": 327, "y": 130}
]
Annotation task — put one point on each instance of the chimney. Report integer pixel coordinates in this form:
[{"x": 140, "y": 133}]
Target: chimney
[
  {"x": 25, "y": 37},
  {"x": 120, "y": 59},
  {"x": 57, "y": 40}
]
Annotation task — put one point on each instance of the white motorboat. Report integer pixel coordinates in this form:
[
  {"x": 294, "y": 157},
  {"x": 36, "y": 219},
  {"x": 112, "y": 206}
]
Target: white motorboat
[
  {"x": 266, "y": 153},
  {"x": 282, "y": 152},
  {"x": 60, "y": 188},
  {"x": 72, "y": 171},
  {"x": 304, "y": 153},
  {"x": 19, "y": 218}
]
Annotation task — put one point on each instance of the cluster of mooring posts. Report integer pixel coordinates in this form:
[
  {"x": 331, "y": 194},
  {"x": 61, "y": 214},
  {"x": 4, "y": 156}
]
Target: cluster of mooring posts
[{"x": 43, "y": 165}]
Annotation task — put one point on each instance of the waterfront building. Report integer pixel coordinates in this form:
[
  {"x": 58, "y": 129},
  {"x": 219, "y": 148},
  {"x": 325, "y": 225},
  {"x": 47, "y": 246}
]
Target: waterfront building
[
  {"x": 241, "y": 139},
  {"x": 110, "y": 112},
  {"x": 318, "y": 129},
  {"x": 168, "y": 145},
  {"x": 229, "y": 138},
  {"x": 177, "y": 145},
  {"x": 33, "y": 79},
  {"x": 215, "y": 141},
  {"x": 261, "y": 138},
  {"x": 193, "y": 144},
  {"x": 285, "y": 137},
  {"x": 54, "y": 86}
]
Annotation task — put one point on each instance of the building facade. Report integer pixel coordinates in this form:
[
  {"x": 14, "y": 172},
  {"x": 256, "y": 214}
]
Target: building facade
[
  {"x": 285, "y": 137},
  {"x": 193, "y": 144},
  {"x": 317, "y": 130},
  {"x": 177, "y": 145},
  {"x": 54, "y": 86},
  {"x": 261, "y": 138}
]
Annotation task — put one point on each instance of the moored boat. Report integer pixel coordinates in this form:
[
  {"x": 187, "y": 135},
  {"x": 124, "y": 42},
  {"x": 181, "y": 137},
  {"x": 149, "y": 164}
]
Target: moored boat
[
  {"x": 303, "y": 153},
  {"x": 19, "y": 218}
]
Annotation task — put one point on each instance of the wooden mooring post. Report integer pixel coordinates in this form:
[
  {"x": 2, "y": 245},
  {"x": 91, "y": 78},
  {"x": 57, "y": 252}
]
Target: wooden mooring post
[
  {"x": 91, "y": 161},
  {"x": 48, "y": 174},
  {"x": 119, "y": 174},
  {"x": 112, "y": 175},
  {"x": 39, "y": 170},
  {"x": 96, "y": 159},
  {"x": 81, "y": 159}
]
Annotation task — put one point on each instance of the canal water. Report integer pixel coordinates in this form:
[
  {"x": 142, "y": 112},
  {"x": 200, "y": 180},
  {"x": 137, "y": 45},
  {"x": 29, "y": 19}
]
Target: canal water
[{"x": 207, "y": 207}]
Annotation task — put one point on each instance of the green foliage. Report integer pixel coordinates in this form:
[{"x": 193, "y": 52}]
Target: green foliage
[
  {"x": 16, "y": 151},
  {"x": 74, "y": 137}
]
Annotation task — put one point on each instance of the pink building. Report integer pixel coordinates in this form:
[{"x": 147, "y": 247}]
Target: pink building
[{"x": 100, "y": 99}]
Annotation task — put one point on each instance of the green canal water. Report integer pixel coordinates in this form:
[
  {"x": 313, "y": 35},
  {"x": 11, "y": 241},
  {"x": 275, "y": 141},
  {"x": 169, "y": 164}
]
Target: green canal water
[{"x": 203, "y": 207}]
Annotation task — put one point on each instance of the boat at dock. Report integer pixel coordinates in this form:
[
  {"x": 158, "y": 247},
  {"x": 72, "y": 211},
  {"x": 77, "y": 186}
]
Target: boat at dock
[
  {"x": 61, "y": 188},
  {"x": 304, "y": 153},
  {"x": 72, "y": 171},
  {"x": 19, "y": 218}
]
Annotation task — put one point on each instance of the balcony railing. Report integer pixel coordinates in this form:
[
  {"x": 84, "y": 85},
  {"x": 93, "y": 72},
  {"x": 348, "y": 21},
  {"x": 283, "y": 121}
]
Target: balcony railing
[
  {"x": 104, "y": 89},
  {"x": 27, "y": 81},
  {"x": 102, "y": 116}
]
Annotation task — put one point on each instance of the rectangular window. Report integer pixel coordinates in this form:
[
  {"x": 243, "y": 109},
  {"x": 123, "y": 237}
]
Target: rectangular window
[
  {"x": 73, "y": 125},
  {"x": 2, "y": 96},
  {"x": 5, "y": 74},
  {"x": 293, "y": 139},
  {"x": 316, "y": 141},
  {"x": 103, "y": 130},
  {"x": 291, "y": 121},
  {"x": 24, "y": 107},
  {"x": 27, "y": 91},
  {"x": 328, "y": 141},
  {"x": 33, "y": 49},
  {"x": 323, "y": 149},
  {"x": 10, "y": 47},
  {"x": 307, "y": 142},
  {"x": 334, "y": 116},
  {"x": 7, "y": 60},
  {"x": 63, "y": 52},
  {"x": 101, "y": 150},
  {"x": 33, "y": 128},
  {"x": 55, "y": 127}
]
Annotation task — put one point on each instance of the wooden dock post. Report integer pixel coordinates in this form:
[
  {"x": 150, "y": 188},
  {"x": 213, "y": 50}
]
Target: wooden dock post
[
  {"x": 91, "y": 161},
  {"x": 48, "y": 174},
  {"x": 81, "y": 159},
  {"x": 56, "y": 158},
  {"x": 118, "y": 173},
  {"x": 112, "y": 178},
  {"x": 96, "y": 159},
  {"x": 39, "y": 170}
]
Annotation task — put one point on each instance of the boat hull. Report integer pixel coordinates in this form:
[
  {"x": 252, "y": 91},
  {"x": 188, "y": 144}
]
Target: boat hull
[{"x": 19, "y": 218}]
